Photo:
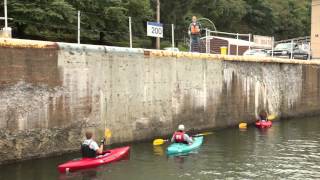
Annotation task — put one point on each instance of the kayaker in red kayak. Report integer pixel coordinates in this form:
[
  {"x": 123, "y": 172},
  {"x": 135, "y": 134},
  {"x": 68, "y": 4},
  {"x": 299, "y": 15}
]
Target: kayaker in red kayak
[
  {"x": 263, "y": 116},
  {"x": 180, "y": 136},
  {"x": 90, "y": 148}
]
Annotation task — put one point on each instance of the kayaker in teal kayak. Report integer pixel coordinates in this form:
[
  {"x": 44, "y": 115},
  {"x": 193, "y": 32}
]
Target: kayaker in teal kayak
[
  {"x": 180, "y": 136},
  {"x": 90, "y": 148}
]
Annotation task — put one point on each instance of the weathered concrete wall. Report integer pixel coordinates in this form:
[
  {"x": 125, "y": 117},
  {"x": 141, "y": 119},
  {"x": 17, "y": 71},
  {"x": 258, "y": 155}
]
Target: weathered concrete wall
[{"x": 50, "y": 94}]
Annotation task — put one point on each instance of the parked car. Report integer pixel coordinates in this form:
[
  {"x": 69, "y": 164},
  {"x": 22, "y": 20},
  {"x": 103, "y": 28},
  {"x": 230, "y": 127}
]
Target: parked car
[
  {"x": 256, "y": 52},
  {"x": 298, "y": 51},
  {"x": 302, "y": 52},
  {"x": 172, "y": 49},
  {"x": 283, "y": 50}
]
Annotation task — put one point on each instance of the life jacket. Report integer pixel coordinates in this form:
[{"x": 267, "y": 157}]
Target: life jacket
[
  {"x": 195, "y": 29},
  {"x": 87, "y": 152},
  {"x": 179, "y": 137}
]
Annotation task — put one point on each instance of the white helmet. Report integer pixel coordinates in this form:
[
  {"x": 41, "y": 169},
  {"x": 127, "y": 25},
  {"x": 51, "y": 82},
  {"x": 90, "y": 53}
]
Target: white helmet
[{"x": 181, "y": 127}]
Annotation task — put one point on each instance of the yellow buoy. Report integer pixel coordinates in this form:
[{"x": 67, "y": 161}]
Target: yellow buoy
[{"x": 243, "y": 125}]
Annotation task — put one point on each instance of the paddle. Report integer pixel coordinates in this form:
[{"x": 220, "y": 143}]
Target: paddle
[
  {"x": 272, "y": 117},
  {"x": 202, "y": 134},
  {"x": 107, "y": 133},
  {"x": 158, "y": 142}
]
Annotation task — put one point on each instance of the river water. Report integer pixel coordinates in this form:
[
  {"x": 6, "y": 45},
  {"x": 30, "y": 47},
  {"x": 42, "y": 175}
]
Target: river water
[{"x": 288, "y": 150}]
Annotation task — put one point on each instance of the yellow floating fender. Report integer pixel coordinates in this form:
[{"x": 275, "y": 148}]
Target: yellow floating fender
[{"x": 243, "y": 125}]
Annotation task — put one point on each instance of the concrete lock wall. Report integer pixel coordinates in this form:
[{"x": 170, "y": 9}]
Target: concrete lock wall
[{"x": 52, "y": 92}]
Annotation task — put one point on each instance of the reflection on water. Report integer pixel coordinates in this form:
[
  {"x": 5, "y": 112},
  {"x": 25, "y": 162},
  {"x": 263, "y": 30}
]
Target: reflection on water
[
  {"x": 289, "y": 150},
  {"x": 159, "y": 150}
]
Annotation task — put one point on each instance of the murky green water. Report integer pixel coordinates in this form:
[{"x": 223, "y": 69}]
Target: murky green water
[{"x": 289, "y": 150}]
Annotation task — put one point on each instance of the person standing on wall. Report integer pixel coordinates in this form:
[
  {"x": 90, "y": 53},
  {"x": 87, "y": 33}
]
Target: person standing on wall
[{"x": 194, "y": 32}]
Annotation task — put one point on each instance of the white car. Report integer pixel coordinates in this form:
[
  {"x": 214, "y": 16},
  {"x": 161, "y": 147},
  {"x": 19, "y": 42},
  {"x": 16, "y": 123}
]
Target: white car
[
  {"x": 172, "y": 49},
  {"x": 256, "y": 52}
]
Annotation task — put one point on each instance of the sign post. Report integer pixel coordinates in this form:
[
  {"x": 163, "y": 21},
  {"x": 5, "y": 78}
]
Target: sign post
[
  {"x": 172, "y": 35},
  {"x": 130, "y": 32},
  {"x": 79, "y": 21},
  {"x": 5, "y": 16},
  {"x": 155, "y": 29}
]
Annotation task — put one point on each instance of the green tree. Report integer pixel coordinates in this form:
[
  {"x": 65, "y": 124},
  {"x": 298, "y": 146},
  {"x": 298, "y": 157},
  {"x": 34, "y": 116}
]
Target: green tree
[
  {"x": 226, "y": 14},
  {"x": 259, "y": 18},
  {"x": 106, "y": 21},
  {"x": 291, "y": 19},
  {"x": 50, "y": 19}
]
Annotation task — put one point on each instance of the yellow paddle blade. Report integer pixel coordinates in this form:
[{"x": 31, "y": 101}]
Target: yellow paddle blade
[
  {"x": 204, "y": 134},
  {"x": 107, "y": 133},
  {"x": 243, "y": 125},
  {"x": 158, "y": 142},
  {"x": 272, "y": 117}
]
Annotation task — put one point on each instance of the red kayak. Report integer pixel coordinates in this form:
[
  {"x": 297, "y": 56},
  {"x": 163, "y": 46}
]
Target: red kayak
[
  {"x": 85, "y": 163},
  {"x": 263, "y": 124}
]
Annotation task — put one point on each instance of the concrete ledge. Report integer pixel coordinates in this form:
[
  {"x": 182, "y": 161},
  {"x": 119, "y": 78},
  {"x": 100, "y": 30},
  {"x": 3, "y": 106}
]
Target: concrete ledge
[
  {"x": 22, "y": 43},
  {"x": 98, "y": 48},
  {"x": 161, "y": 53}
]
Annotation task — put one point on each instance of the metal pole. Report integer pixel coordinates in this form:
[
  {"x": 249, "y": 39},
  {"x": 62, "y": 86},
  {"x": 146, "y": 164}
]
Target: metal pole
[
  {"x": 291, "y": 55},
  {"x": 309, "y": 53},
  {"x": 272, "y": 48},
  {"x": 190, "y": 45},
  {"x": 5, "y": 15},
  {"x": 209, "y": 43},
  {"x": 130, "y": 32},
  {"x": 158, "y": 20},
  {"x": 172, "y": 35},
  {"x": 249, "y": 41},
  {"x": 237, "y": 44},
  {"x": 78, "y": 27},
  {"x": 206, "y": 40}
]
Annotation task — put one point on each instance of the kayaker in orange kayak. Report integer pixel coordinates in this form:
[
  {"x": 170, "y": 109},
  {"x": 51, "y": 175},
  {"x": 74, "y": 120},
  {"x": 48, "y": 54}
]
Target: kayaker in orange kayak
[
  {"x": 90, "y": 148},
  {"x": 180, "y": 136}
]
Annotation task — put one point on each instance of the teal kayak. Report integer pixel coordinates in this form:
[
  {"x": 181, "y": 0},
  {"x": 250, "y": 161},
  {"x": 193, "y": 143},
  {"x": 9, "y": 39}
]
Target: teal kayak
[{"x": 180, "y": 148}]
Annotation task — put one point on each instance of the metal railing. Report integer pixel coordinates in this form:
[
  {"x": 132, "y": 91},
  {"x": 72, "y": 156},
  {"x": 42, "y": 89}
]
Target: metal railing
[{"x": 236, "y": 35}]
